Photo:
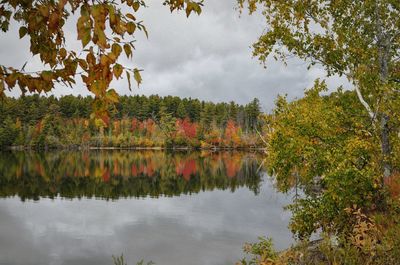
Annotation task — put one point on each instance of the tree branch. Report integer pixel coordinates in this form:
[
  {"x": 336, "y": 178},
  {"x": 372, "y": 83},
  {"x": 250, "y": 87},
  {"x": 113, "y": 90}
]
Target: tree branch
[{"x": 364, "y": 103}]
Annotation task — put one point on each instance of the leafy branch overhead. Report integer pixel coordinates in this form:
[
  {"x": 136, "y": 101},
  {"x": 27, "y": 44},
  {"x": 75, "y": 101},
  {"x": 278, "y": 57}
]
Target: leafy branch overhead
[
  {"x": 356, "y": 39},
  {"x": 105, "y": 29}
]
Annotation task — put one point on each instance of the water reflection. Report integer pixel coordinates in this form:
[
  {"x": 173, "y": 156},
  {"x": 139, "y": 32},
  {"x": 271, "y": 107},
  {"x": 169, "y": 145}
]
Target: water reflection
[
  {"x": 225, "y": 199},
  {"x": 116, "y": 174}
]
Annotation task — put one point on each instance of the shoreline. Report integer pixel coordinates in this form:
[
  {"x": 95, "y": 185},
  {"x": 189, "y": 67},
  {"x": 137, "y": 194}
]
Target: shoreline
[{"x": 137, "y": 148}]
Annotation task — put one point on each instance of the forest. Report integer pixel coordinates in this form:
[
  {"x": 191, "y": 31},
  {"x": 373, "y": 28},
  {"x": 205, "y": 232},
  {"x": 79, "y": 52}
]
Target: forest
[{"x": 39, "y": 122}]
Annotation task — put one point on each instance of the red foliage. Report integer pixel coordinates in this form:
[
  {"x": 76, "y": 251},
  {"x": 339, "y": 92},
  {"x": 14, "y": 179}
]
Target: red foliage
[
  {"x": 149, "y": 167},
  {"x": 232, "y": 133},
  {"x": 134, "y": 124},
  {"x": 231, "y": 168},
  {"x": 150, "y": 126},
  {"x": 134, "y": 170},
  {"x": 106, "y": 119},
  {"x": 186, "y": 128},
  {"x": 142, "y": 126},
  {"x": 39, "y": 169},
  {"x": 106, "y": 175},
  {"x": 116, "y": 168},
  {"x": 230, "y": 130},
  {"x": 232, "y": 164},
  {"x": 186, "y": 168}
]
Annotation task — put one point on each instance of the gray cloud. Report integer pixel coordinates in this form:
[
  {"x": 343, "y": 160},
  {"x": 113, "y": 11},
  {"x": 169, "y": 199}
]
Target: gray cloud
[{"x": 207, "y": 57}]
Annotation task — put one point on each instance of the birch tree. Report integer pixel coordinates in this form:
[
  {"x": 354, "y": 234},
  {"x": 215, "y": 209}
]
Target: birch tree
[{"x": 356, "y": 39}]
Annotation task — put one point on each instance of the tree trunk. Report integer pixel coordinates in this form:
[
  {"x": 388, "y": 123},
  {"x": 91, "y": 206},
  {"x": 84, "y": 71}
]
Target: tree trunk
[
  {"x": 383, "y": 57},
  {"x": 386, "y": 164},
  {"x": 385, "y": 144}
]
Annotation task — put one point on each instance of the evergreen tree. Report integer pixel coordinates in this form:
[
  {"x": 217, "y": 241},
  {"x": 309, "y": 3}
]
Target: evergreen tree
[{"x": 8, "y": 132}]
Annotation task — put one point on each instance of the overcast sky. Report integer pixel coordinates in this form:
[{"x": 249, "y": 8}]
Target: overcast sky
[{"x": 207, "y": 57}]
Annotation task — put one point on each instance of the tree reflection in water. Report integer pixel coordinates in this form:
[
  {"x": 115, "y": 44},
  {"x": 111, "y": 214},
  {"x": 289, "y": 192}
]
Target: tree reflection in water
[{"x": 115, "y": 174}]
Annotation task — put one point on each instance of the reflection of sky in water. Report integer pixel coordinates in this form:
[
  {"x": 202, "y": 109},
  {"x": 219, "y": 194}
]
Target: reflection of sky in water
[{"x": 205, "y": 228}]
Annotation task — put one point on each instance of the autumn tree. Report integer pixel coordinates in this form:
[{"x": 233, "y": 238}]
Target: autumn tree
[
  {"x": 166, "y": 122},
  {"x": 186, "y": 128},
  {"x": 320, "y": 144},
  {"x": 341, "y": 148},
  {"x": 232, "y": 137},
  {"x": 105, "y": 28},
  {"x": 356, "y": 39}
]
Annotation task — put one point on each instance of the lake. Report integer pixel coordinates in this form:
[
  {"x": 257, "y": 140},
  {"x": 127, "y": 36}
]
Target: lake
[{"x": 82, "y": 207}]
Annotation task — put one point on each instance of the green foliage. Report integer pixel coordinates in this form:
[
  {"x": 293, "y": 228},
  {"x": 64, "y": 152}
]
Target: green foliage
[
  {"x": 261, "y": 252},
  {"x": 8, "y": 132},
  {"x": 322, "y": 144},
  {"x": 121, "y": 261},
  {"x": 356, "y": 39},
  {"x": 338, "y": 148},
  {"x": 167, "y": 122}
]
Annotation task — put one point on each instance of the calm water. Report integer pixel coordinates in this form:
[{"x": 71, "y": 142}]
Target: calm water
[{"x": 179, "y": 208}]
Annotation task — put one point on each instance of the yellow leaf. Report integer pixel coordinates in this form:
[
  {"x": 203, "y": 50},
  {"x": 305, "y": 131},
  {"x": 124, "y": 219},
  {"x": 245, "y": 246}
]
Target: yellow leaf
[
  {"x": 117, "y": 69},
  {"x": 131, "y": 16},
  {"x": 112, "y": 95},
  {"x": 135, "y": 6},
  {"x": 47, "y": 75},
  {"x": 137, "y": 76},
  {"x": 130, "y": 27},
  {"x": 128, "y": 50},
  {"x": 116, "y": 49}
]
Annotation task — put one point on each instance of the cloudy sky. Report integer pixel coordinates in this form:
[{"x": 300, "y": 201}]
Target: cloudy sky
[{"x": 206, "y": 57}]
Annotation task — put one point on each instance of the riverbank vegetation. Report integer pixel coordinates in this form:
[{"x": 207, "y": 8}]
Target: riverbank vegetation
[
  {"x": 343, "y": 148},
  {"x": 321, "y": 145},
  {"x": 135, "y": 121}
]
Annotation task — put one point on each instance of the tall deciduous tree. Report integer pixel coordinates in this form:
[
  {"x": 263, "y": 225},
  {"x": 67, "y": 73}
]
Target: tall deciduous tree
[
  {"x": 356, "y": 39},
  {"x": 105, "y": 28}
]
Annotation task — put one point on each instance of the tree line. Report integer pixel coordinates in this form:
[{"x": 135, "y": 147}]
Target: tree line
[{"x": 135, "y": 121}]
